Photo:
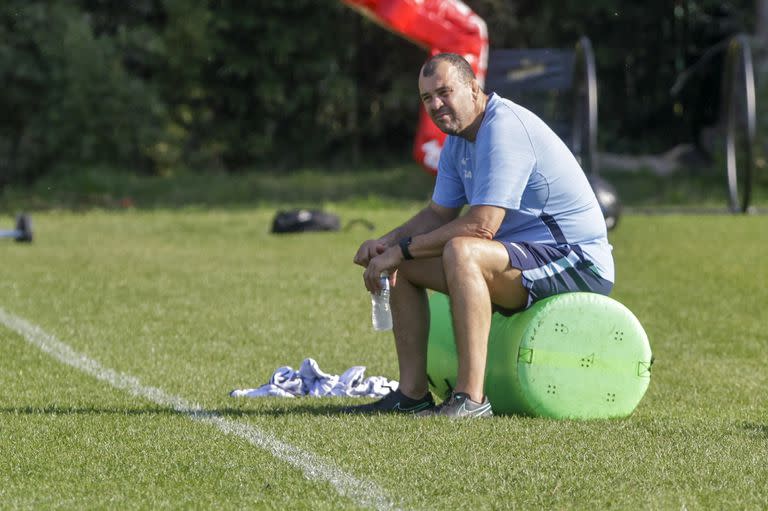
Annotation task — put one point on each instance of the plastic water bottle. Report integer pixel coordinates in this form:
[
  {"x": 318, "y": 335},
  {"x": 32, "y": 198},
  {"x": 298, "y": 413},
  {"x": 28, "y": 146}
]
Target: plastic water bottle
[{"x": 381, "y": 315}]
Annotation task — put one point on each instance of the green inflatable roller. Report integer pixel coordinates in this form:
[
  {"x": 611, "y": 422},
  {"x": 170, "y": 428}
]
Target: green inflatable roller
[{"x": 575, "y": 355}]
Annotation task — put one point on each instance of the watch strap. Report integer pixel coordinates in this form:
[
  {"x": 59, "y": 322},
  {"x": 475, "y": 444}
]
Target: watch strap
[{"x": 404, "y": 244}]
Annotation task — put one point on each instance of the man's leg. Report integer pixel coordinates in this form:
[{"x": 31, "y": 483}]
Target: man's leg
[
  {"x": 477, "y": 274},
  {"x": 473, "y": 272},
  {"x": 410, "y": 316}
]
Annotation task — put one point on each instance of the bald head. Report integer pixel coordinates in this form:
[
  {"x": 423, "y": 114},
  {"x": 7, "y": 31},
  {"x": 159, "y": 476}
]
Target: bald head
[
  {"x": 451, "y": 95},
  {"x": 463, "y": 69}
]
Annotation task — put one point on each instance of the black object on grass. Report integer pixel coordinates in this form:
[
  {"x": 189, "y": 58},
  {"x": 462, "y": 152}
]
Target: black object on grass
[{"x": 23, "y": 231}]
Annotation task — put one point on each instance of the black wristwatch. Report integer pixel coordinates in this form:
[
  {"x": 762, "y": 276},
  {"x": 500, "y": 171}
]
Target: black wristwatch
[{"x": 404, "y": 243}]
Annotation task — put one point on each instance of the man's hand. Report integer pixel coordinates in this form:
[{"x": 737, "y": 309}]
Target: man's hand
[
  {"x": 386, "y": 261},
  {"x": 367, "y": 251},
  {"x": 377, "y": 258}
]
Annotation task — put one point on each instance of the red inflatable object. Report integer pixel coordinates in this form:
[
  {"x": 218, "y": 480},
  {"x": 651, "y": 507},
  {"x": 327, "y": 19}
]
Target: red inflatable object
[{"x": 439, "y": 26}]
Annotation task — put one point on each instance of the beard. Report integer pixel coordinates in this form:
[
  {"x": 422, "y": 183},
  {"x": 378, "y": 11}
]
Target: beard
[{"x": 446, "y": 122}]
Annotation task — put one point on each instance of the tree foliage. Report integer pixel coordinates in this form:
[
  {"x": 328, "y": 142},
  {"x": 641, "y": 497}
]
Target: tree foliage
[{"x": 151, "y": 86}]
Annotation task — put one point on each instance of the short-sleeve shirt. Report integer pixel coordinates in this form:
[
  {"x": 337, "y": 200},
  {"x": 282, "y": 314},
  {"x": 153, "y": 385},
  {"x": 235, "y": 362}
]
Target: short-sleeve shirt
[{"x": 518, "y": 163}]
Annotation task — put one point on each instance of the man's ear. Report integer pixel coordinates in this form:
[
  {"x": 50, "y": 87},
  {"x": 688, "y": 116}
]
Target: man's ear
[{"x": 475, "y": 88}]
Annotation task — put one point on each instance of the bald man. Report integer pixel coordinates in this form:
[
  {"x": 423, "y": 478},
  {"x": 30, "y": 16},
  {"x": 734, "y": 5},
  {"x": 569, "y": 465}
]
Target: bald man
[{"x": 533, "y": 229}]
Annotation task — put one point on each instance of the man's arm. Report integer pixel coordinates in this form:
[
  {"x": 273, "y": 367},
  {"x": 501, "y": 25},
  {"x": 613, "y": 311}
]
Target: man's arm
[
  {"x": 428, "y": 219},
  {"x": 479, "y": 222}
]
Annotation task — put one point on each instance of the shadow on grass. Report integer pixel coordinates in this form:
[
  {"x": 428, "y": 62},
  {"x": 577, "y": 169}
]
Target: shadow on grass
[
  {"x": 111, "y": 190},
  {"x": 318, "y": 409},
  {"x": 85, "y": 410},
  {"x": 324, "y": 409},
  {"x": 373, "y": 186},
  {"x": 759, "y": 429}
]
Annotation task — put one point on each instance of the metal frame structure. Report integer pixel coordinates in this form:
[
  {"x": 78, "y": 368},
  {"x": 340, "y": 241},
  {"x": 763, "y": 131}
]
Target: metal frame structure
[
  {"x": 584, "y": 131},
  {"x": 740, "y": 114},
  {"x": 549, "y": 81}
]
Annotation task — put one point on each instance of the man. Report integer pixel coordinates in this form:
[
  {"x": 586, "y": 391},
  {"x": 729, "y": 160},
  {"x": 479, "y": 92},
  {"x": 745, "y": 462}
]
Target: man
[{"x": 533, "y": 229}]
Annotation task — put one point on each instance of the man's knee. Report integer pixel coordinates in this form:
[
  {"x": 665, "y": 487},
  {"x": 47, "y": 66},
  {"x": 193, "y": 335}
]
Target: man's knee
[
  {"x": 465, "y": 254},
  {"x": 460, "y": 253}
]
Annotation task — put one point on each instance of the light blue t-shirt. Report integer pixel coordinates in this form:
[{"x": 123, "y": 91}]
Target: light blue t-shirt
[{"x": 518, "y": 163}]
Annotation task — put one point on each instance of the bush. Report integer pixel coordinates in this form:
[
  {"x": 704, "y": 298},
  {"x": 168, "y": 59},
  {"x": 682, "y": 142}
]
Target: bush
[{"x": 75, "y": 103}]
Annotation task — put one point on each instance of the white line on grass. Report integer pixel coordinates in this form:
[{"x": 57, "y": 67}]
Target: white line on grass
[{"x": 363, "y": 493}]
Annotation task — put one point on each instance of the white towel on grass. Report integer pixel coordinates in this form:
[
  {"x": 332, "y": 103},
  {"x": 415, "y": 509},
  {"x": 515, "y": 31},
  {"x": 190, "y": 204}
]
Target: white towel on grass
[{"x": 310, "y": 380}]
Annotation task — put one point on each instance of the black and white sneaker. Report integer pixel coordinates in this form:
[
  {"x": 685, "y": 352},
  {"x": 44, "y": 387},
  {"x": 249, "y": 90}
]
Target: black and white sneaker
[
  {"x": 394, "y": 402},
  {"x": 459, "y": 406}
]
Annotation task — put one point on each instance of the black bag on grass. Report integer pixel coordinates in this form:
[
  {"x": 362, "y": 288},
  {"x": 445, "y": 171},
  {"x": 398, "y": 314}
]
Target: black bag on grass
[{"x": 303, "y": 220}]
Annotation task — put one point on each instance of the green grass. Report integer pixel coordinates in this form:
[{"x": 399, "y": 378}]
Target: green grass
[
  {"x": 87, "y": 189},
  {"x": 695, "y": 189},
  {"x": 109, "y": 189},
  {"x": 198, "y": 302}
]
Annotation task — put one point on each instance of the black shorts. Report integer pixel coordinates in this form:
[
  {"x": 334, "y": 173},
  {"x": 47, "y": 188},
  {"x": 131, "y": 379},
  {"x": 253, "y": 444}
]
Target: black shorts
[{"x": 550, "y": 270}]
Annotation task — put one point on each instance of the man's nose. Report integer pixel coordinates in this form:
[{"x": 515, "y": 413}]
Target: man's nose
[{"x": 434, "y": 104}]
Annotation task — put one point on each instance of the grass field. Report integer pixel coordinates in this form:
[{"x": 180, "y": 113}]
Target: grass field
[
  {"x": 84, "y": 189},
  {"x": 195, "y": 302}
]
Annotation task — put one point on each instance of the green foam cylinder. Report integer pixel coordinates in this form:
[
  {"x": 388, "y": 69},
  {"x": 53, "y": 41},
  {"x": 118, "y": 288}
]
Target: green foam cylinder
[{"x": 574, "y": 355}]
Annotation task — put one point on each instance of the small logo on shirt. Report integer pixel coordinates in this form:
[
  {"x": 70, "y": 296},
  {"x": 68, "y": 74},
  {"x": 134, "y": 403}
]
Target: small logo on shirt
[{"x": 467, "y": 172}]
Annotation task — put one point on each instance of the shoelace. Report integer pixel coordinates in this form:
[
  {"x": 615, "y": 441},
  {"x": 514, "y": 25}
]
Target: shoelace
[{"x": 447, "y": 403}]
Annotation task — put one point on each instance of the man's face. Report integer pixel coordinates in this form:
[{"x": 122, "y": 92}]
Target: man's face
[{"x": 448, "y": 101}]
